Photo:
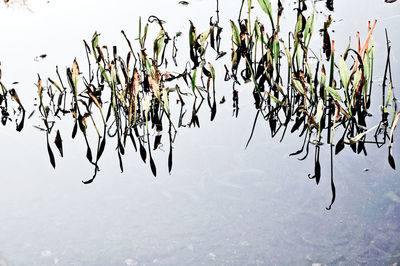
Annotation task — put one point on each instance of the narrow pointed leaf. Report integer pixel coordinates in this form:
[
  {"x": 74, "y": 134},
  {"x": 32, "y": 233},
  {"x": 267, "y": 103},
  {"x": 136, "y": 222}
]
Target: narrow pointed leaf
[
  {"x": 153, "y": 166},
  {"x": 58, "y": 142},
  {"x": 51, "y": 155}
]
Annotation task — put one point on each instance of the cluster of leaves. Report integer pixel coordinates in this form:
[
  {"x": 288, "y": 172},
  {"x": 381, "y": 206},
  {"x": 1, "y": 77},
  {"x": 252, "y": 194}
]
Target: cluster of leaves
[
  {"x": 10, "y": 106},
  {"x": 316, "y": 101},
  {"x": 131, "y": 95}
]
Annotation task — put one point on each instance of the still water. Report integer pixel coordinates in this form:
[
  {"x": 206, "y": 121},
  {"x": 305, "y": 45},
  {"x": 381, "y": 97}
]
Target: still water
[{"x": 222, "y": 204}]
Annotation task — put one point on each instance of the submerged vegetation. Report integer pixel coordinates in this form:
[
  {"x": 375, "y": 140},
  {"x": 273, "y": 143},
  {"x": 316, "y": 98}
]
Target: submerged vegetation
[{"x": 132, "y": 99}]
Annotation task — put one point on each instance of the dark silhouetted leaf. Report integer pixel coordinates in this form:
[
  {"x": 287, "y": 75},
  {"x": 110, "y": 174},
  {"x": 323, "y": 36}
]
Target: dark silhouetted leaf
[
  {"x": 58, "y": 142},
  {"x": 51, "y": 155},
  {"x": 133, "y": 140},
  {"x": 74, "y": 130},
  {"x": 153, "y": 167},
  {"x": 142, "y": 152},
  {"x": 82, "y": 126},
  {"x": 297, "y": 124},
  {"x": 360, "y": 147},
  {"x": 89, "y": 154},
  {"x": 317, "y": 171},
  {"x": 101, "y": 148},
  {"x": 353, "y": 146},
  {"x": 121, "y": 165},
  {"x": 339, "y": 146},
  {"x": 170, "y": 160},
  {"x": 391, "y": 160},
  {"x": 20, "y": 125},
  {"x": 329, "y": 4},
  {"x": 121, "y": 148},
  {"x": 157, "y": 141},
  {"x": 213, "y": 110}
]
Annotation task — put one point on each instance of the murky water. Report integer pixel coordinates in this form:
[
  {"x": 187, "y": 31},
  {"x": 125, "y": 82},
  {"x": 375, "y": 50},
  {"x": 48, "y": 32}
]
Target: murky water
[{"x": 222, "y": 205}]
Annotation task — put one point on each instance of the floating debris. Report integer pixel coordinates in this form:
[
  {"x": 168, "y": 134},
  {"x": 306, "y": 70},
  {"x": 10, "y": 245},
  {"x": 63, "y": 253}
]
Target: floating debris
[{"x": 40, "y": 57}]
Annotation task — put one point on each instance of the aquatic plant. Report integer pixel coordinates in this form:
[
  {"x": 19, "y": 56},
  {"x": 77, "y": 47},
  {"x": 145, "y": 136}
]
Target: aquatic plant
[{"x": 131, "y": 98}]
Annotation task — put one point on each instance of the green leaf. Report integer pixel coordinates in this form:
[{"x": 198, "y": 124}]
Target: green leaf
[
  {"x": 297, "y": 84},
  {"x": 289, "y": 56},
  {"x": 236, "y": 34},
  {"x": 75, "y": 74},
  {"x": 194, "y": 80},
  {"x": 356, "y": 81},
  {"x": 344, "y": 73},
  {"x": 158, "y": 44},
  {"x": 309, "y": 28},
  {"x": 266, "y": 6},
  {"x": 165, "y": 100},
  {"x": 273, "y": 98},
  {"x": 334, "y": 93},
  {"x": 203, "y": 38},
  {"x": 389, "y": 94},
  {"x": 276, "y": 48},
  {"x": 249, "y": 2}
]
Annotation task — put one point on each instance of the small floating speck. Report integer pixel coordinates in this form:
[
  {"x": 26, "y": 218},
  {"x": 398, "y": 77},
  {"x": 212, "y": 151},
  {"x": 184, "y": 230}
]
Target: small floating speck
[
  {"x": 131, "y": 262},
  {"x": 46, "y": 253},
  {"x": 40, "y": 57},
  {"x": 212, "y": 255}
]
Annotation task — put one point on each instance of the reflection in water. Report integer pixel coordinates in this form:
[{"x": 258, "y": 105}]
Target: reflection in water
[
  {"x": 222, "y": 205},
  {"x": 129, "y": 98}
]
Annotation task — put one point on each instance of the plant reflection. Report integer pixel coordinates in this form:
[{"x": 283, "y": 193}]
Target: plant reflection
[{"x": 130, "y": 97}]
